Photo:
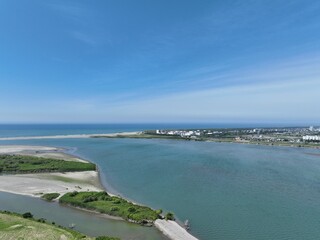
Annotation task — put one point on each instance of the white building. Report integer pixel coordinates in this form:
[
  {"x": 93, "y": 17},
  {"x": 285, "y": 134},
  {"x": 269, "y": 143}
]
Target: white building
[{"x": 311, "y": 138}]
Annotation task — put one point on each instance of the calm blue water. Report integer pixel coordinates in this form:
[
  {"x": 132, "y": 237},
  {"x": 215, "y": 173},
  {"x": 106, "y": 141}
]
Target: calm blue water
[{"x": 227, "y": 191}]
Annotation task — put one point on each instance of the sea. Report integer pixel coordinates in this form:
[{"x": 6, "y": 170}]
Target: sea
[{"x": 227, "y": 191}]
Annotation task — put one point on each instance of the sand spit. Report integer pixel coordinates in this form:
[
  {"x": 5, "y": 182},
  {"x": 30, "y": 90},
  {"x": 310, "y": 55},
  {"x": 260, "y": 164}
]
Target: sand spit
[
  {"x": 40, "y": 183},
  {"x": 37, "y": 184},
  {"x": 70, "y": 136},
  {"x": 39, "y": 151},
  {"x": 13, "y": 149},
  {"x": 173, "y": 230}
]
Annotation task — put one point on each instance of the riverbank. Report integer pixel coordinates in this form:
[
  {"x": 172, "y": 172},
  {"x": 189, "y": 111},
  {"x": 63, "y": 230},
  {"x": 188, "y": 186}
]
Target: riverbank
[{"x": 36, "y": 185}]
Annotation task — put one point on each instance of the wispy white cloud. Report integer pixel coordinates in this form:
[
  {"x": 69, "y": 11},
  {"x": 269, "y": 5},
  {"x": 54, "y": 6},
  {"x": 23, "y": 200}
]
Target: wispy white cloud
[
  {"x": 83, "y": 37},
  {"x": 78, "y": 16},
  {"x": 289, "y": 101},
  {"x": 289, "y": 95},
  {"x": 284, "y": 102},
  {"x": 75, "y": 12}
]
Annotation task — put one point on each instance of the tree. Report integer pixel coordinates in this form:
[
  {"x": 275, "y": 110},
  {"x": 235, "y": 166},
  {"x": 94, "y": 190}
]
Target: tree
[
  {"x": 27, "y": 215},
  {"x": 169, "y": 216},
  {"x": 159, "y": 211}
]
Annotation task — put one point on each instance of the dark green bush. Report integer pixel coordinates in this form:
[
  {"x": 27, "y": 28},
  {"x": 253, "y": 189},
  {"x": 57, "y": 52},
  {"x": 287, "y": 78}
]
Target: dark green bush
[
  {"x": 27, "y": 215},
  {"x": 169, "y": 216},
  {"x": 107, "y": 238},
  {"x": 30, "y": 164},
  {"x": 50, "y": 196}
]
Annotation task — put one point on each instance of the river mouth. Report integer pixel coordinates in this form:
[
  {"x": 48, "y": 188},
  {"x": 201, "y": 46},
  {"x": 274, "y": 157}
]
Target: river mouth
[{"x": 227, "y": 191}]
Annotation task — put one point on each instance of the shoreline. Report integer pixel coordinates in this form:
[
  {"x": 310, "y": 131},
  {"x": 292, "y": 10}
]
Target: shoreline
[
  {"x": 35, "y": 185},
  {"x": 141, "y": 135},
  {"x": 70, "y": 136}
]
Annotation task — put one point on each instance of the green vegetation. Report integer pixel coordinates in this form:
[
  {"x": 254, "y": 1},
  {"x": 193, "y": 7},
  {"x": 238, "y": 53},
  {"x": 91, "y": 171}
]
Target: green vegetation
[
  {"x": 107, "y": 238},
  {"x": 14, "y": 226},
  {"x": 29, "y": 164},
  {"x": 169, "y": 216},
  {"x": 27, "y": 215},
  {"x": 50, "y": 196},
  {"x": 143, "y": 136},
  {"x": 115, "y": 206}
]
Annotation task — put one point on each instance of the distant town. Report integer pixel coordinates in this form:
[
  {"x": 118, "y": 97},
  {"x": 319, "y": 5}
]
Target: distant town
[{"x": 296, "y": 136}]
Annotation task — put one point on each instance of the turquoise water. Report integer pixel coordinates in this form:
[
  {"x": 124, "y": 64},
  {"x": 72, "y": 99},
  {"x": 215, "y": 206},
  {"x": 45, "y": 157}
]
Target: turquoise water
[{"x": 227, "y": 191}]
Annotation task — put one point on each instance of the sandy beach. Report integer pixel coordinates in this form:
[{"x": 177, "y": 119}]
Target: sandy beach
[
  {"x": 16, "y": 149},
  {"x": 39, "y": 183}
]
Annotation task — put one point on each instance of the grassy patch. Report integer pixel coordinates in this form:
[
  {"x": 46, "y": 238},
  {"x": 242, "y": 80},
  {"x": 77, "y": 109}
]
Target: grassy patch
[
  {"x": 29, "y": 164},
  {"x": 50, "y": 196},
  {"x": 107, "y": 238},
  {"x": 14, "y": 226},
  {"x": 115, "y": 206}
]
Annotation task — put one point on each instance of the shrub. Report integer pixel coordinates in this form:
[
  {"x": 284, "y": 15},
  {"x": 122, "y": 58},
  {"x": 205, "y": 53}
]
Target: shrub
[
  {"x": 107, "y": 238},
  {"x": 159, "y": 211},
  {"x": 42, "y": 220},
  {"x": 114, "y": 209},
  {"x": 131, "y": 209},
  {"x": 73, "y": 194},
  {"x": 90, "y": 199},
  {"x": 169, "y": 216},
  {"x": 50, "y": 196},
  {"x": 27, "y": 215}
]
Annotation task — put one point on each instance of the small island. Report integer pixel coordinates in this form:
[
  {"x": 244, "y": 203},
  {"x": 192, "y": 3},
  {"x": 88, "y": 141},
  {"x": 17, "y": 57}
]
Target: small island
[{"x": 102, "y": 202}]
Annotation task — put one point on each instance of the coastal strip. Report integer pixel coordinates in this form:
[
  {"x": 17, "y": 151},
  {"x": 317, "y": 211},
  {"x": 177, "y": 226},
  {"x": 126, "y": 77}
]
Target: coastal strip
[
  {"x": 125, "y": 134},
  {"x": 222, "y": 136}
]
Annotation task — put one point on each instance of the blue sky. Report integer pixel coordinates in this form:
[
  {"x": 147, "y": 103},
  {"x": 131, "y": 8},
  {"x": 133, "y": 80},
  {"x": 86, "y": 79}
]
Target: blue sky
[{"x": 160, "y": 61}]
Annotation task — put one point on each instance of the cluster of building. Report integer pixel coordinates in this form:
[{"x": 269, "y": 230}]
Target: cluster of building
[
  {"x": 181, "y": 133},
  {"x": 291, "y": 134},
  {"x": 311, "y": 138}
]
